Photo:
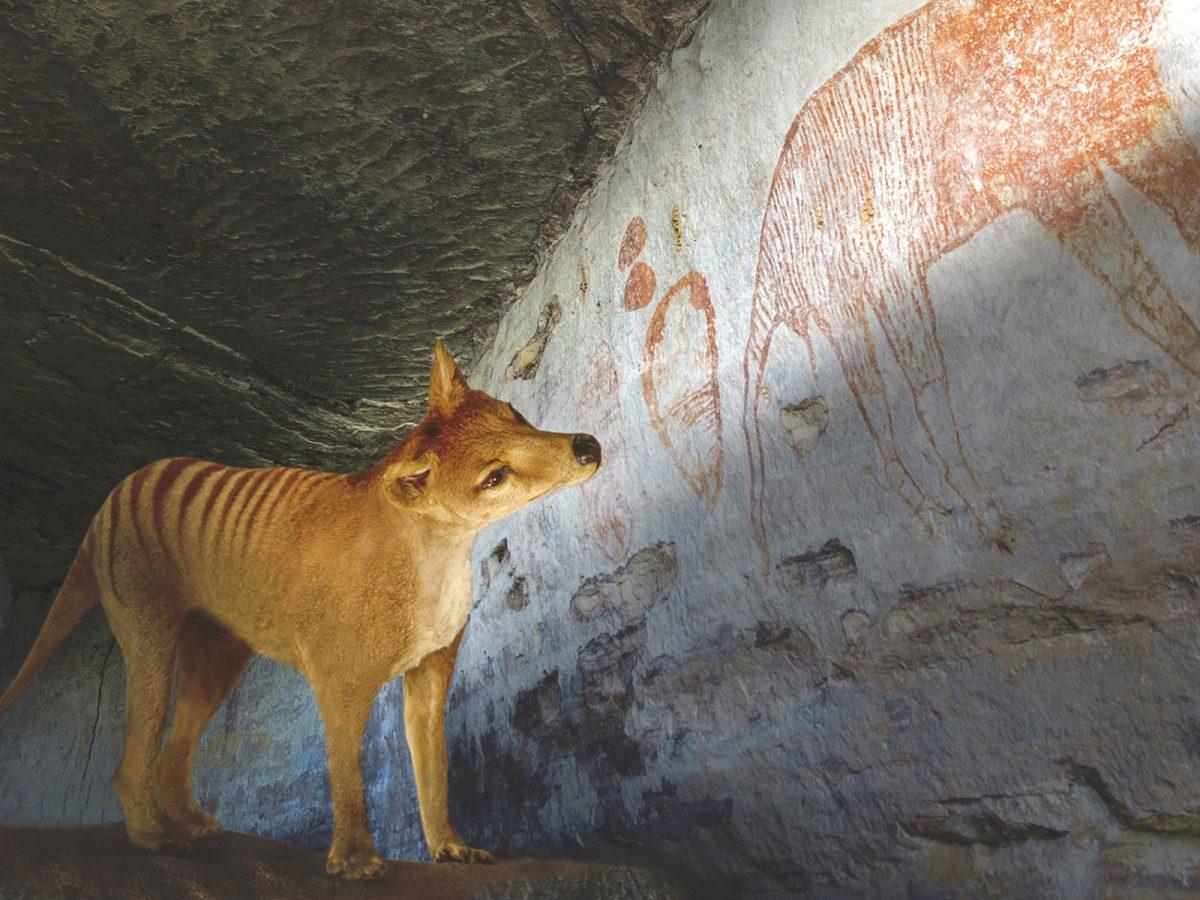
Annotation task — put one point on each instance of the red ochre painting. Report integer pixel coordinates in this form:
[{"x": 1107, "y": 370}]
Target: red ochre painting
[
  {"x": 679, "y": 368},
  {"x": 605, "y": 509},
  {"x": 956, "y": 114}
]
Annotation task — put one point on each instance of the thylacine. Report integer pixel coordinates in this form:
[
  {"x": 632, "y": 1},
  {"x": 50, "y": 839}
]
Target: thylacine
[{"x": 352, "y": 579}]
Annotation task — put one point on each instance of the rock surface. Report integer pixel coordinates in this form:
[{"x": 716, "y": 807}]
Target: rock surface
[{"x": 99, "y": 862}]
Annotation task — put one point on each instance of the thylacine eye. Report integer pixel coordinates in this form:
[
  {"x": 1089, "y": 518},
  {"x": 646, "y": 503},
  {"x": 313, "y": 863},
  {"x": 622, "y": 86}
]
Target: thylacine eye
[
  {"x": 494, "y": 479},
  {"x": 520, "y": 418}
]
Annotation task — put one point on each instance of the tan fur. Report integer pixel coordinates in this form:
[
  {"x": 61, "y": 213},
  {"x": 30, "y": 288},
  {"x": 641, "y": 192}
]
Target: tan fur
[{"x": 352, "y": 579}]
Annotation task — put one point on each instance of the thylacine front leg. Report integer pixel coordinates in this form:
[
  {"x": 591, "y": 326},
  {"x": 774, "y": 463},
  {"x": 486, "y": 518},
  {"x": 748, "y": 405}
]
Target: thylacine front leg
[
  {"x": 425, "y": 690},
  {"x": 345, "y": 709}
]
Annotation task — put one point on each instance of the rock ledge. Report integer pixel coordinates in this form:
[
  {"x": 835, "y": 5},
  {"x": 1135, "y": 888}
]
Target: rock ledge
[{"x": 100, "y": 862}]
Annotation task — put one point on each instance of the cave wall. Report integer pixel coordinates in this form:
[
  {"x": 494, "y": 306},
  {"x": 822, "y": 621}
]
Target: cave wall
[
  {"x": 885, "y": 317},
  {"x": 233, "y": 230}
]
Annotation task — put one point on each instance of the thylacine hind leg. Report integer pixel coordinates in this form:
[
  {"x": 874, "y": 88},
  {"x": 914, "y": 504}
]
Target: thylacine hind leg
[
  {"x": 210, "y": 661},
  {"x": 149, "y": 651}
]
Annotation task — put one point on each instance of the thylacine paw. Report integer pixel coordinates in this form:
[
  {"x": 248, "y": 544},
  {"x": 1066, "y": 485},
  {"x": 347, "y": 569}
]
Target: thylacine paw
[
  {"x": 354, "y": 865},
  {"x": 457, "y": 851},
  {"x": 197, "y": 822}
]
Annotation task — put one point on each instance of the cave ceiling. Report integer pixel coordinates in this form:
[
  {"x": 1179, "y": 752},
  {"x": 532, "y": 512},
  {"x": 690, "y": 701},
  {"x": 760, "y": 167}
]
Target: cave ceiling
[{"x": 233, "y": 230}]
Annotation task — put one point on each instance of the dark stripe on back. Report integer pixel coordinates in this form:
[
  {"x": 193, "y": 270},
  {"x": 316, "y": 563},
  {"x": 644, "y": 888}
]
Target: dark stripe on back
[
  {"x": 294, "y": 475},
  {"x": 248, "y": 475},
  {"x": 271, "y": 479},
  {"x": 212, "y": 497},
  {"x": 191, "y": 489},
  {"x": 158, "y": 499},
  {"x": 257, "y": 488},
  {"x": 136, "y": 481}
]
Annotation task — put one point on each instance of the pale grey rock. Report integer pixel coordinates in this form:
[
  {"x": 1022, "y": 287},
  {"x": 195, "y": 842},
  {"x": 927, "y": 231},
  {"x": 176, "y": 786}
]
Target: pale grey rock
[
  {"x": 805, "y": 422},
  {"x": 982, "y": 688}
]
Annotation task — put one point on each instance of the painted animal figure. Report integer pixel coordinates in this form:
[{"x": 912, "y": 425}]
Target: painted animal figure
[
  {"x": 958, "y": 113},
  {"x": 352, "y": 579}
]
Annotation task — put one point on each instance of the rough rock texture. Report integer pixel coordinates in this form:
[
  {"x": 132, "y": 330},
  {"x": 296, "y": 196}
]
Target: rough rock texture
[
  {"x": 234, "y": 231},
  {"x": 99, "y": 862}
]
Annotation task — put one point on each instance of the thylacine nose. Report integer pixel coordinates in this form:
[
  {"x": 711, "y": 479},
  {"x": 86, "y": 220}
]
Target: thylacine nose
[{"x": 586, "y": 449}]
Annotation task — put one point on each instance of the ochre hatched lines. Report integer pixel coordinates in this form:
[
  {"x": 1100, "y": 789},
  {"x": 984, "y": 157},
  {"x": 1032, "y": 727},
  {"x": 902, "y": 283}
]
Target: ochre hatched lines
[{"x": 956, "y": 114}]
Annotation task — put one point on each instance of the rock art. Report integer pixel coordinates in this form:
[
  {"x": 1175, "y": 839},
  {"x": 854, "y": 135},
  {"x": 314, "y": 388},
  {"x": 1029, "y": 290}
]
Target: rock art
[
  {"x": 679, "y": 384},
  {"x": 979, "y": 114},
  {"x": 525, "y": 362}
]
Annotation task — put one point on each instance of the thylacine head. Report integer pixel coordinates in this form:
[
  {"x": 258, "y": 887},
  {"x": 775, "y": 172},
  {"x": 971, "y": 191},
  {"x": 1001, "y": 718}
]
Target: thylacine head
[{"x": 474, "y": 459}]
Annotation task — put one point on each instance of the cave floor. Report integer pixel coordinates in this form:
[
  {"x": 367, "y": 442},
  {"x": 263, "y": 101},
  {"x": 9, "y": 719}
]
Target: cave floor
[{"x": 99, "y": 862}]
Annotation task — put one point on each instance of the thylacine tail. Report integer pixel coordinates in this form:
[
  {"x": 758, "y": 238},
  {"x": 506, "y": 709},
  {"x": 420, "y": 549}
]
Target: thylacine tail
[{"x": 77, "y": 595}]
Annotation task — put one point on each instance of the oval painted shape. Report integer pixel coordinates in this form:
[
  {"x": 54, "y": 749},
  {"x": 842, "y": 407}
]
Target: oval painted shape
[
  {"x": 633, "y": 242},
  {"x": 679, "y": 384},
  {"x": 639, "y": 286},
  {"x": 607, "y": 518}
]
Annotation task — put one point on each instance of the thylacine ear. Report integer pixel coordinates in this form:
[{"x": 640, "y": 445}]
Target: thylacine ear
[
  {"x": 406, "y": 481},
  {"x": 447, "y": 386}
]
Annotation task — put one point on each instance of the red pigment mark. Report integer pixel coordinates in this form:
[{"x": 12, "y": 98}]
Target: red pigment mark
[
  {"x": 679, "y": 384},
  {"x": 955, "y": 115},
  {"x": 633, "y": 242},
  {"x": 639, "y": 287}
]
